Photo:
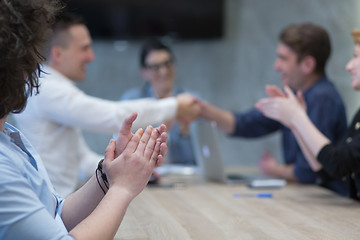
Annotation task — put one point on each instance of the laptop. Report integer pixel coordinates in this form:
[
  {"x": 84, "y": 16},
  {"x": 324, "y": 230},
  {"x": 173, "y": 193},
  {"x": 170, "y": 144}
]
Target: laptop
[{"x": 208, "y": 155}]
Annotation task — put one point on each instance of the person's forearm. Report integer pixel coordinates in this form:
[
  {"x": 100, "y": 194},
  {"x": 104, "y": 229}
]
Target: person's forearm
[
  {"x": 88, "y": 214},
  {"x": 310, "y": 157},
  {"x": 81, "y": 203},
  {"x": 225, "y": 120},
  {"x": 310, "y": 135},
  {"x": 105, "y": 220}
]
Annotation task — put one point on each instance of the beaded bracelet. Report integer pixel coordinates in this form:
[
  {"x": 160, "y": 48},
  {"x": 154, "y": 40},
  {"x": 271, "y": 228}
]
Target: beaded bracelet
[{"x": 103, "y": 176}]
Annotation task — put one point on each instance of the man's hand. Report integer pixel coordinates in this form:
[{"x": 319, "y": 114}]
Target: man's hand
[
  {"x": 270, "y": 167},
  {"x": 188, "y": 108},
  {"x": 268, "y": 164},
  {"x": 205, "y": 109}
]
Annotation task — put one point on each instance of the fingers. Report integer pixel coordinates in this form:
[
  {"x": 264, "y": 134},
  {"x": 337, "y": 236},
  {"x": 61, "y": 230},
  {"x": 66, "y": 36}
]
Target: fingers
[
  {"x": 110, "y": 151},
  {"x": 268, "y": 107},
  {"x": 274, "y": 91},
  {"x": 134, "y": 142},
  {"x": 164, "y": 137},
  {"x": 163, "y": 149},
  {"x": 162, "y": 128},
  {"x": 188, "y": 107},
  {"x": 194, "y": 99},
  {"x": 260, "y": 104},
  {"x": 149, "y": 134},
  {"x": 205, "y": 109},
  {"x": 299, "y": 95},
  {"x": 162, "y": 133},
  {"x": 150, "y": 146},
  {"x": 289, "y": 93},
  {"x": 301, "y": 100},
  {"x": 160, "y": 161},
  {"x": 154, "y": 154}
]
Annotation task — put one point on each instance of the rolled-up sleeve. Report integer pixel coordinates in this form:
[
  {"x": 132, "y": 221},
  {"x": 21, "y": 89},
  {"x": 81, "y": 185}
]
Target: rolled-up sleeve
[{"x": 22, "y": 214}]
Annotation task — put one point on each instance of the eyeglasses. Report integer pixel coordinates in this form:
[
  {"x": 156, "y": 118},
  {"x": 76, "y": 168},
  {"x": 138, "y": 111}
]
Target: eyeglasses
[{"x": 156, "y": 67}]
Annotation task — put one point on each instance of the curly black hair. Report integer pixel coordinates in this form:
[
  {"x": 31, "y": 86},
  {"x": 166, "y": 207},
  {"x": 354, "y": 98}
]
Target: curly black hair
[{"x": 24, "y": 27}]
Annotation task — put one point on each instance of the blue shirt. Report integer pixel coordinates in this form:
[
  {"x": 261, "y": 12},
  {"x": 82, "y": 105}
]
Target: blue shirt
[
  {"x": 29, "y": 206},
  {"x": 179, "y": 145},
  {"x": 326, "y": 110}
]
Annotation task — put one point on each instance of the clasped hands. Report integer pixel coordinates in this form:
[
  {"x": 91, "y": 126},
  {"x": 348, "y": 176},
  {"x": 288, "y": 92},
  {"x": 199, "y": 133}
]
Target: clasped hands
[{"x": 188, "y": 108}]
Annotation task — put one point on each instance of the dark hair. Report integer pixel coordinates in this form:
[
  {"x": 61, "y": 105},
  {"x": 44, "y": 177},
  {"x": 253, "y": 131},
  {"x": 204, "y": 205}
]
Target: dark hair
[
  {"x": 308, "y": 40},
  {"x": 24, "y": 26},
  {"x": 152, "y": 45},
  {"x": 60, "y": 35}
]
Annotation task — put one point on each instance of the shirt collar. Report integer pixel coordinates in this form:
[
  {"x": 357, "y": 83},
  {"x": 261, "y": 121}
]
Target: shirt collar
[
  {"x": 320, "y": 81},
  {"x": 55, "y": 74}
]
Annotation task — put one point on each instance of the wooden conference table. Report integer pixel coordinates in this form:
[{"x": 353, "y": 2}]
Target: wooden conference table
[{"x": 195, "y": 209}]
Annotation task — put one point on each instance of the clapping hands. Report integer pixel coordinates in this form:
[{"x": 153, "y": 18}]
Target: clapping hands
[
  {"x": 130, "y": 161},
  {"x": 282, "y": 106}
]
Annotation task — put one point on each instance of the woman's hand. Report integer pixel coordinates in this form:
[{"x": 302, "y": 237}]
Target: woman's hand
[
  {"x": 125, "y": 136},
  {"x": 131, "y": 170},
  {"x": 282, "y": 108}
]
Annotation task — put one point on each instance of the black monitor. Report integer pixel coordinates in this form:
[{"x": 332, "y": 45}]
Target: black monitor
[{"x": 135, "y": 19}]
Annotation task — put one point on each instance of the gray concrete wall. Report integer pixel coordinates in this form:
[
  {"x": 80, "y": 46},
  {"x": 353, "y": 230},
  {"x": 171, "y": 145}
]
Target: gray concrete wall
[{"x": 232, "y": 72}]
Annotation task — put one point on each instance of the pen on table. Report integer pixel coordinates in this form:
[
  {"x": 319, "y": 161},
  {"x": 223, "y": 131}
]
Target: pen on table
[{"x": 252, "y": 195}]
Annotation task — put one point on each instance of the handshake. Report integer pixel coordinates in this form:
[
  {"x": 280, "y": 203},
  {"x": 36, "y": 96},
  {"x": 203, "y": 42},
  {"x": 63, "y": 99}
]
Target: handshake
[{"x": 189, "y": 108}]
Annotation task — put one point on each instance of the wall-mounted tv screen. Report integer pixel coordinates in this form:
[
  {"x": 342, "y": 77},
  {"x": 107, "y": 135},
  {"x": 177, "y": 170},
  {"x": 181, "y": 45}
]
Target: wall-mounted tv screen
[{"x": 135, "y": 19}]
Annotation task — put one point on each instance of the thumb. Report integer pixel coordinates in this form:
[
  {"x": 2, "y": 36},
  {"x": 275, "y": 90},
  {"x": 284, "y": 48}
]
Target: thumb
[
  {"x": 300, "y": 96},
  {"x": 289, "y": 92},
  {"x": 110, "y": 151},
  {"x": 274, "y": 91},
  {"x": 301, "y": 100},
  {"x": 261, "y": 103},
  {"x": 127, "y": 124}
]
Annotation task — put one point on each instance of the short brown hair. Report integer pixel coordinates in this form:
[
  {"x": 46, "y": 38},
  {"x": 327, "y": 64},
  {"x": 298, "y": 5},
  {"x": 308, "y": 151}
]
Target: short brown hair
[
  {"x": 24, "y": 26},
  {"x": 308, "y": 40},
  {"x": 60, "y": 35}
]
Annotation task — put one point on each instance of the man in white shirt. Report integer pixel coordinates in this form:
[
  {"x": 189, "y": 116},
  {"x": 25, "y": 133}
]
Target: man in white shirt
[{"x": 54, "y": 118}]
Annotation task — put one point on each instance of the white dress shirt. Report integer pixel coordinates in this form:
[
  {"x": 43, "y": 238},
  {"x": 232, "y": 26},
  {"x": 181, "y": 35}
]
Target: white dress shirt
[{"x": 53, "y": 119}]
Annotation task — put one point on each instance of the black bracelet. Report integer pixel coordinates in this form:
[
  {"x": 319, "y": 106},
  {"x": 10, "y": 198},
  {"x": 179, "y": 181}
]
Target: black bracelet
[{"x": 103, "y": 176}]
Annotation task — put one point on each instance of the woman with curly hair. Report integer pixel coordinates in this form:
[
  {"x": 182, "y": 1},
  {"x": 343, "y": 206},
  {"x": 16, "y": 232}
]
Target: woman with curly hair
[{"x": 30, "y": 208}]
